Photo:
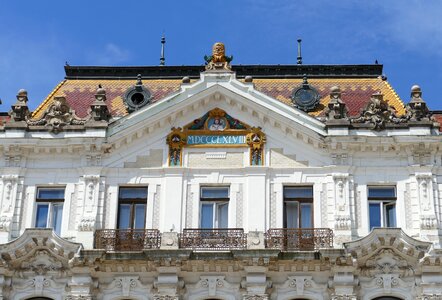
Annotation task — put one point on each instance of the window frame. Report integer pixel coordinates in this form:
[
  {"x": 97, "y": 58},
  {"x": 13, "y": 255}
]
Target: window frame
[
  {"x": 300, "y": 200},
  {"x": 132, "y": 202},
  {"x": 216, "y": 203},
  {"x": 50, "y": 202},
  {"x": 383, "y": 202}
]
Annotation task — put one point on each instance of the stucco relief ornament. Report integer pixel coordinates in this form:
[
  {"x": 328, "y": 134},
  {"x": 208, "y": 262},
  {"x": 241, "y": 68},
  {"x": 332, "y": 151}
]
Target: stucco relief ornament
[
  {"x": 256, "y": 140},
  {"x": 57, "y": 116},
  {"x": 218, "y": 61},
  {"x": 386, "y": 262},
  {"x": 378, "y": 113}
]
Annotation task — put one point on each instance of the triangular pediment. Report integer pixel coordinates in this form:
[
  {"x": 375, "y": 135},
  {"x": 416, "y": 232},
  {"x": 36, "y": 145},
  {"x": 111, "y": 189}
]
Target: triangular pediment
[{"x": 229, "y": 93}]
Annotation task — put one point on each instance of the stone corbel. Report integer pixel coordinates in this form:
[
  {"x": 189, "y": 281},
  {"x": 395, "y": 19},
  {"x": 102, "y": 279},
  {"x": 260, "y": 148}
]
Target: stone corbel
[
  {"x": 256, "y": 282},
  {"x": 167, "y": 284},
  {"x": 80, "y": 287}
]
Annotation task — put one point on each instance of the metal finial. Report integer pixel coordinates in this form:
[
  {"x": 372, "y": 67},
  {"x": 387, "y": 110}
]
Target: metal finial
[
  {"x": 162, "y": 58},
  {"x": 299, "y": 52},
  {"x": 139, "y": 82}
]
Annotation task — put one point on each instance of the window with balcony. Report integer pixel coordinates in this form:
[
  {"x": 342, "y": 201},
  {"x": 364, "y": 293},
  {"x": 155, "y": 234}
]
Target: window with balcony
[
  {"x": 132, "y": 203},
  {"x": 49, "y": 208},
  {"x": 214, "y": 207},
  {"x": 298, "y": 207},
  {"x": 382, "y": 206}
]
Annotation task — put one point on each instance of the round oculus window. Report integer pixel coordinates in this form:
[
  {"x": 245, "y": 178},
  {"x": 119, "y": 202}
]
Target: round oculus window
[
  {"x": 305, "y": 97},
  {"x": 136, "y": 97}
]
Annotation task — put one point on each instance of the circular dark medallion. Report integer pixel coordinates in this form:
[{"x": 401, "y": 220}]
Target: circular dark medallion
[
  {"x": 305, "y": 97},
  {"x": 137, "y": 96}
]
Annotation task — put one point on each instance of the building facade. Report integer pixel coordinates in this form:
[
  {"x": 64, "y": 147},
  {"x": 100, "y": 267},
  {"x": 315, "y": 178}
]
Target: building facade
[{"x": 221, "y": 182}]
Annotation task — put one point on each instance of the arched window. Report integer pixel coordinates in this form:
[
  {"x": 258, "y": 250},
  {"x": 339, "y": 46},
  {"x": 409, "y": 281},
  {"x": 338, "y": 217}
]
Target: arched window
[
  {"x": 387, "y": 298},
  {"x": 39, "y": 298}
]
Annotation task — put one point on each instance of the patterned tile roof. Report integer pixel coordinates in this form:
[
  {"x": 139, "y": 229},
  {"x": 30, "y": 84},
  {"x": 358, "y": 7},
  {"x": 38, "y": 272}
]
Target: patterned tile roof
[
  {"x": 356, "y": 92},
  {"x": 80, "y": 93}
]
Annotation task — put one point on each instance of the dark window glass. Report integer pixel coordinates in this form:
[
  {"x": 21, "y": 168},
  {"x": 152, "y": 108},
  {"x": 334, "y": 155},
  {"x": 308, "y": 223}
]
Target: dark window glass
[
  {"x": 381, "y": 192},
  {"x": 382, "y": 206},
  {"x": 298, "y": 192},
  {"x": 132, "y": 208},
  {"x": 49, "y": 208},
  {"x": 298, "y": 207},
  {"x": 133, "y": 193},
  {"x": 214, "y": 207},
  {"x": 214, "y": 193},
  {"x": 50, "y": 194}
]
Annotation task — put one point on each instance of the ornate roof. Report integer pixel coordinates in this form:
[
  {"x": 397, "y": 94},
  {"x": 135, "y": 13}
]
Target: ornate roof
[{"x": 357, "y": 83}]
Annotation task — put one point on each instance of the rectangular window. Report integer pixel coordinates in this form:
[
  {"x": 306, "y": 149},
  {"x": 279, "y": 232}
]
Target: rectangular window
[
  {"x": 298, "y": 207},
  {"x": 49, "y": 208},
  {"x": 214, "y": 207},
  {"x": 382, "y": 206},
  {"x": 132, "y": 202}
]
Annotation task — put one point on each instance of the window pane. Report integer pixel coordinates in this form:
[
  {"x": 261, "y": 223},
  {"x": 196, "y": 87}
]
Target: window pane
[
  {"x": 306, "y": 215},
  {"x": 223, "y": 212},
  {"x": 375, "y": 215},
  {"x": 124, "y": 216},
  {"x": 390, "y": 213},
  {"x": 133, "y": 193},
  {"x": 298, "y": 192},
  {"x": 207, "y": 216},
  {"x": 215, "y": 192},
  {"x": 291, "y": 214},
  {"x": 49, "y": 194},
  {"x": 140, "y": 215},
  {"x": 381, "y": 192},
  {"x": 41, "y": 220},
  {"x": 57, "y": 212}
]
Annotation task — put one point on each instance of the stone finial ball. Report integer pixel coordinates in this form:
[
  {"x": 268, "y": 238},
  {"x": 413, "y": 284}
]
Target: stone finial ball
[
  {"x": 22, "y": 92},
  {"x": 415, "y": 88}
]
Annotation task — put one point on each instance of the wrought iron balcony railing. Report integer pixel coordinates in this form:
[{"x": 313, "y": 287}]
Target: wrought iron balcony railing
[
  {"x": 287, "y": 239},
  {"x": 213, "y": 239},
  {"x": 127, "y": 239}
]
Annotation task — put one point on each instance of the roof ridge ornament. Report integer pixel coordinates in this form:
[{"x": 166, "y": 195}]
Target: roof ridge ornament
[
  {"x": 218, "y": 61},
  {"x": 299, "y": 58},
  {"x": 336, "y": 108},
  {"x": 417, "y": 109}
]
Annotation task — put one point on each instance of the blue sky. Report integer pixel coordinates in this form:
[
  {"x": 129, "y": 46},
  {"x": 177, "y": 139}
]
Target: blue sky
[{"x": 37, "y": 37}]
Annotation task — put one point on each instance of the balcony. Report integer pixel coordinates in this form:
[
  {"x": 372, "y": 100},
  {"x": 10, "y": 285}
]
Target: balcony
[
  {"x": 304, "y": 239},
  {"x": 127, "y": 239},
  {"x": 213, "y": 239}
]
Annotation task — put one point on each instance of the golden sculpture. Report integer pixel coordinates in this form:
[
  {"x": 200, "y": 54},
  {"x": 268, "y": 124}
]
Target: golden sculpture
[{"x": 218, "y": 60}]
